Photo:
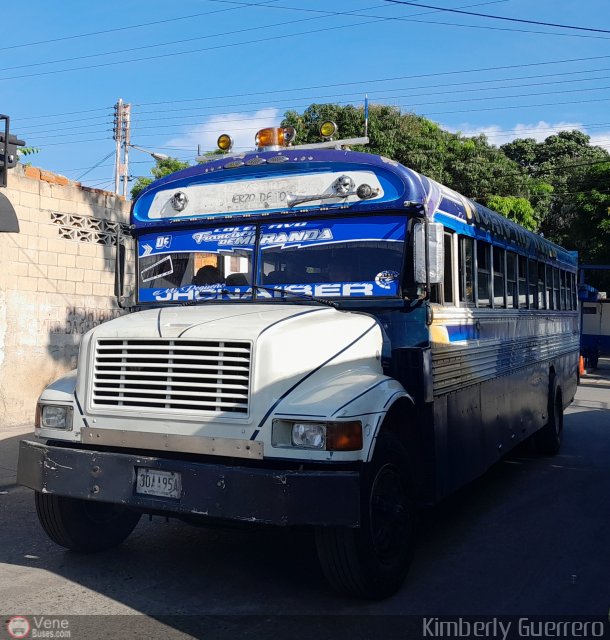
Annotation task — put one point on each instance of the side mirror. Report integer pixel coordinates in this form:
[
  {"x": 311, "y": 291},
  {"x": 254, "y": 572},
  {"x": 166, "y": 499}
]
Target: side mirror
[
  {"x": 124, "y": 300},
  {"x": 429, "y": 252}
]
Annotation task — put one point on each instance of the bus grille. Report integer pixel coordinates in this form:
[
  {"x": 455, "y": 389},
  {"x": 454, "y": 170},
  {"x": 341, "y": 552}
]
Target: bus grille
[{"x": 178, "y": 375}]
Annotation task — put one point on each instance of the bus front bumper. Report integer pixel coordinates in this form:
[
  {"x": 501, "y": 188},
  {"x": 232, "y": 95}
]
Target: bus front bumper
[{"x": 236, "y": 493}]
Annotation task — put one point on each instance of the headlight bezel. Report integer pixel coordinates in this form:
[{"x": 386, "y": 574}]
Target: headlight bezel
[
  {"x": 54, "y": 416},
  {"x": 337, "y": 435}
]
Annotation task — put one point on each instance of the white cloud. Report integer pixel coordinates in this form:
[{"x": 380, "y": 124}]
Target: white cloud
[
  {"x": 242, "y": 127},
  {"x": 601, "y": 139},
  {"x": 498, "y": 135}
]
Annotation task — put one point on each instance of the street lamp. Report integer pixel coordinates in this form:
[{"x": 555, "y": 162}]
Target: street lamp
[
  {"x": 154, "y": 154},
  {"x": 123, "y": 169}
]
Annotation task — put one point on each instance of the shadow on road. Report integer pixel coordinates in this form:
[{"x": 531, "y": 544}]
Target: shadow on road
[{"x": 527, "y": 537}]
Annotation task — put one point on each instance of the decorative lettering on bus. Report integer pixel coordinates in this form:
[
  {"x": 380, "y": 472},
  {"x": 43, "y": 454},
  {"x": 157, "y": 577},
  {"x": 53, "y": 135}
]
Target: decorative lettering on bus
[{"x": 265, "y": 198}]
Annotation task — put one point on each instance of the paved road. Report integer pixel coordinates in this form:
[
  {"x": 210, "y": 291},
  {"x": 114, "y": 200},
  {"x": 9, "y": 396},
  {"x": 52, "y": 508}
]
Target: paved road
[{"x": 530, "y": 537}]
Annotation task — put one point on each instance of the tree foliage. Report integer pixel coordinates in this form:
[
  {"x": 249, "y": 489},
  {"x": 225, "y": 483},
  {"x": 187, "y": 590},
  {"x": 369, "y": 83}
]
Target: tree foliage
[
  {"x": 162, "y": 168},
  {"x": 560, "y": 186},
  {"x": 469, "y": 165}
]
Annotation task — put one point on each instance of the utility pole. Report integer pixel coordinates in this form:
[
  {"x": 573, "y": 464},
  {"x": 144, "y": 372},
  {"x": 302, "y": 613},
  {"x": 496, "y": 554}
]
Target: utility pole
[
  {"x": 118, "y": 137},
  {"x": 122, "y": 138},
  {"x": 126, "y": 144}
]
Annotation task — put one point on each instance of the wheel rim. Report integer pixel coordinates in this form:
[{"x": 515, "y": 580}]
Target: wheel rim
[{"x": 389, "y": 514}]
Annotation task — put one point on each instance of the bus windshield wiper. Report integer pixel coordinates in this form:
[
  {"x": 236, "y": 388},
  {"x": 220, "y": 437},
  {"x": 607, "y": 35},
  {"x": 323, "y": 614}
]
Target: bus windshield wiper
[{"x": 299, "y": 294}]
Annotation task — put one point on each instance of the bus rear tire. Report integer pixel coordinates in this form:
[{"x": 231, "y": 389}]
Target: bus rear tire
[
  {"x": 84, "y": 525},
  {"x": 548, "y": 439},
  {"x": 373, "y": 560}
]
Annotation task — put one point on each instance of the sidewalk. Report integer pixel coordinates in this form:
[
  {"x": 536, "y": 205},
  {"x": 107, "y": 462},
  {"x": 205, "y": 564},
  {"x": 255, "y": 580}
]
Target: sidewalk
[
  {"x": 594, "y": 381},
  {"x": 9, "y": 448}
]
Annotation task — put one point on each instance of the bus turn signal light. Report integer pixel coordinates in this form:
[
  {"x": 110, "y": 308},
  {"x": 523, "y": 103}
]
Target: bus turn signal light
[{"x": 344, "y": 436}]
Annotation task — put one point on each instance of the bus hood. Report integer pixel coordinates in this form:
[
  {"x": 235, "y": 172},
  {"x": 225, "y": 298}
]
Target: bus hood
[{"x": 286, "y": 354}]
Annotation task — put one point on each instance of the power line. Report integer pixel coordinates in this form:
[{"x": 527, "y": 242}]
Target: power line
[
  {"x": 353, "y": 83},
  {"x": 95, "y": 166},
  {"x": 233, "y": 44},
  {"x": 486, "y": 15},
  {"x": 141, "y": 119},
  {"x": 134, "y": 26}
]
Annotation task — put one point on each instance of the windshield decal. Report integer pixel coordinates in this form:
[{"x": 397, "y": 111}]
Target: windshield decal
[
  {"x": 157, "y": 270},
  {"x": 385, "y": 279}
]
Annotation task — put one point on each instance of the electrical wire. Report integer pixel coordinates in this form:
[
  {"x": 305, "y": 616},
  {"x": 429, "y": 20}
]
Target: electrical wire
[
  {"x": 343, "y": 84},
  {"x": 486, "y": 15},
  {"x": 95, "y": 166},
  {"x": 134, "y": 26},
  {"x": 368, "y": 22}
]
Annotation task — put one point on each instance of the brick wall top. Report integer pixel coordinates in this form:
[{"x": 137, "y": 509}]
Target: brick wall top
[
  {"x": 53, "y": 189},
  {"x": 35, "y": 173}
]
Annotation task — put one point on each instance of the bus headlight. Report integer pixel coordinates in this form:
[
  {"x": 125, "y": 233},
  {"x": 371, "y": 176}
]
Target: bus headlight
[
  {"x": 325, "y": 436},
  {"x": 308, "y": 434},
  {"x": 54, "y": 416}
]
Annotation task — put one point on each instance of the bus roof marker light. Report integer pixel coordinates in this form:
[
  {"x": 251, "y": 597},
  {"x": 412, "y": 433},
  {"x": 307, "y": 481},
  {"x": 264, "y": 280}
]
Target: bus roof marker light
[
  {"x": 225, "y": 142},
  {"x": 273, "y": 138},
  {"x": 328, "y": 129}
]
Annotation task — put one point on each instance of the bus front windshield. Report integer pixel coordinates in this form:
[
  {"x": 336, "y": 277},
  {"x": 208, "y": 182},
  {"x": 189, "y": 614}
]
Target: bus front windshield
[{"x": 336, "y": 258}]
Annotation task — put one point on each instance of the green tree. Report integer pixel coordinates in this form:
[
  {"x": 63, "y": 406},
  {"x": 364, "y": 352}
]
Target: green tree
[
  {"x": 162, "y": 168},
  {"x": 519, "y": 210},
  {"x": 469, "y": 165},
  {"x": 562, "y": 161}
]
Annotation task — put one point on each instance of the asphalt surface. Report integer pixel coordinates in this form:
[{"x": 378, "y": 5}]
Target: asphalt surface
[{"x": 531, "y": 537}]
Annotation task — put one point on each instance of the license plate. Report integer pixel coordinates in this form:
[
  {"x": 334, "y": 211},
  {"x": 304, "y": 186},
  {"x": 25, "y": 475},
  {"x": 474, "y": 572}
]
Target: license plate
[{"x": 153, "y": 482}]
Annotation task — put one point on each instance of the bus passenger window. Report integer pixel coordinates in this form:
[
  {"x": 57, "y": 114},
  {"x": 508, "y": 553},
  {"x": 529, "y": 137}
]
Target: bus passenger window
[
  {"x": 532, "y": 279},
  {"x": 483, "y": 274},
  {"x": 541, "y": 290},
  {"x": 522, "y": 282},
  {"x": 512, "y": 299},
  {"x": 574, "y": 291},
  {"x": 466, "y": 270},
  {"x": 549, "y": 287},
  {"x": 448, "y": 276},
  {"x": 498, "y": 264},
  {"x": 563, "y": 289},
  {"x": 556, "y": 288}
]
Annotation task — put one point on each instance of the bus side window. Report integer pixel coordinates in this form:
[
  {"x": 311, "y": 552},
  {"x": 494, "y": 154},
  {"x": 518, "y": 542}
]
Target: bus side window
[
  {"x": 483, "y": 274},
  {"x": 556, "y": 288},
  {"x": 574, "y": 292},
  {"x": 541, "y": 287},
  {"x": 532, "y": 278},
  {"x": 549, "y": 287},
  {"x": 563, "y": 289},
  {"x": 522, "y": 282},
  {"x": 512, "y": 300},
  {"x": 499, "y": 277},
  {"x": 466, "y": 270},
  {"x": 449, "y": 297}
]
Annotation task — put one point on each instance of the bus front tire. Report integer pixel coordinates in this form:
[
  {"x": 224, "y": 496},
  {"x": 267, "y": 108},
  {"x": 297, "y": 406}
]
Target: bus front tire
[
  {"x": 372, "y": 561},
  {"x": 84, "y": 525},
  {"x": 548, "y": 439}
]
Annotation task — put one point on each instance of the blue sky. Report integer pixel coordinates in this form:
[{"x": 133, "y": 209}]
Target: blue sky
[{"x": 210, "y": 66}]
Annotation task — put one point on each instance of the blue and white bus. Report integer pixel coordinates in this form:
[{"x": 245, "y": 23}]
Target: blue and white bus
[{"x": 320, "y": 338}]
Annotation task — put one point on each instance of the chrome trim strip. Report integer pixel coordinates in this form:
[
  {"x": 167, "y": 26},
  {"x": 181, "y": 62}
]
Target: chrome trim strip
[{"x": 144, "y": 441}]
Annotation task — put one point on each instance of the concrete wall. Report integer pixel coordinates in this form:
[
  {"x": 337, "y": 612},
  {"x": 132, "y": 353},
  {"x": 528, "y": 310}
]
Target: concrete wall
[{"x": 56, "y": 281}]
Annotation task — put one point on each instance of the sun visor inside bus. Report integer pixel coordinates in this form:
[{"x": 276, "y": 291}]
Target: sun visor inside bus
[{"x": 8, "y": 216}]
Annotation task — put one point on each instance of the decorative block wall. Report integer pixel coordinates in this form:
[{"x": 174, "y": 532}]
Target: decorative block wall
[{"x": 56, "y": 281}]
